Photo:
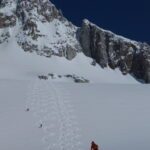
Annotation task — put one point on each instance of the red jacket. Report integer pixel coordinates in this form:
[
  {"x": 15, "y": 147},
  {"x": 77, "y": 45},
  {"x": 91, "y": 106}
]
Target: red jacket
[{"x": 94, "y": 146}]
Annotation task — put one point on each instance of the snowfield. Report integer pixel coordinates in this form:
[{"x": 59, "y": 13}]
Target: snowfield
[{"x": 116, "y": 116}]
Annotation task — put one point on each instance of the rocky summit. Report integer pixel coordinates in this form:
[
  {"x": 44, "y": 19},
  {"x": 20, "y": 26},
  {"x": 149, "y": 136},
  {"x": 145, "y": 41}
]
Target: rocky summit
[{"x": 38, "y": 26}]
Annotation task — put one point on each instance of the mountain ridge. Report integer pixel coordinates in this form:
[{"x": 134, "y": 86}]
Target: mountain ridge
[
  {"x": 115, "y": 51},
  {"x": 40, "y": 27}
]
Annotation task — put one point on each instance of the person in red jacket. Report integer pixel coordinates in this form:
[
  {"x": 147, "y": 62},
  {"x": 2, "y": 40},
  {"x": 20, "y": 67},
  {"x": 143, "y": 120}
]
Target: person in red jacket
[{"x": 94, "y": 146}]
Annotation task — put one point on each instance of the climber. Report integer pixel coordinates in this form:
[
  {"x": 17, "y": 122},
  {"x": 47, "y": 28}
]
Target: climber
[
  {"x": 94, "y": 146},
  {"x": 41, "y": 125},
  {"x": 28, "y": 109}
]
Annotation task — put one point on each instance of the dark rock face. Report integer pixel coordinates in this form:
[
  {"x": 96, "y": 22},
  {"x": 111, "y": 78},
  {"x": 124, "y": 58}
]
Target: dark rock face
[
  {"x": 49, "y": 11},
  {"x": 7, "y": 21},
  {"x": 115, "y": 51},
  {"x": 4, "y": 37},
  {"x": 141, "y": 63}
]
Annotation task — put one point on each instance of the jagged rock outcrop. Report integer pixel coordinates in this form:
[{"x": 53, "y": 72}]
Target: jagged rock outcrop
[
  {"x": 115, "y": 51},
  {"x": 7, "y": 21},
  {"x": 42, "y": 10},
  {"x": 40, "y": 27},
  {"x": 7, "y": 17},
  {"x": 141, "y": 63}
]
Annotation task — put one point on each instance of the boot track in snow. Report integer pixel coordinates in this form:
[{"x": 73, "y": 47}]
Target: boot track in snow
[{"x": 52, "y": 107}]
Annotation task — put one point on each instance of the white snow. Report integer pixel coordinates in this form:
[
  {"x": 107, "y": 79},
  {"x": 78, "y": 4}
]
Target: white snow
[
  {"x": 56, "y": 35},
  {"x": 115, "y": 116}
]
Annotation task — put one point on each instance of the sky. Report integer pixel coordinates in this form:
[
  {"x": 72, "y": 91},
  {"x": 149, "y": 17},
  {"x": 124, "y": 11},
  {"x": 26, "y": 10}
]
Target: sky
[{"x": 130, "y": 18}]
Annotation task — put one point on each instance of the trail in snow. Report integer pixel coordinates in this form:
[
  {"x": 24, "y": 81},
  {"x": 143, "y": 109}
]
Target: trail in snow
[{"x": 52, "y": 107}]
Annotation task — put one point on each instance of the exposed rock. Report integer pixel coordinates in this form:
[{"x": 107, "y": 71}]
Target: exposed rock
[
  {"x": 93, "y": 63},
  {"x": 28, "y": 47},
  {"x": 74, "y": 78},
  {"x": 35, "y": 16},
  {"x": 31, "y": 27},
  {"x": 115, "y": 51},
  {"x": 4, "y": 37},
  {"x": 45, "y": 9},
  {"x": 43, "y": 77},
  {"x": 141, "y": 63},
  {"x": 49, "y": 11},
  {"x": 70, "y": 52},
  {"x": 78, "y": 80},
  {"x": 69, "y": 76},
  {"x": 7, "y": 21}
]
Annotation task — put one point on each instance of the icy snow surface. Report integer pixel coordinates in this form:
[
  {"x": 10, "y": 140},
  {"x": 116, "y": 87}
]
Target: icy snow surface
[{"x": 69, "y": 116}]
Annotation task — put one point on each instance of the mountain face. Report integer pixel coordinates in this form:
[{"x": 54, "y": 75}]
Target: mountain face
[
  {"x": 37, "y": 26},
  {"x": 115, "y": 51}
]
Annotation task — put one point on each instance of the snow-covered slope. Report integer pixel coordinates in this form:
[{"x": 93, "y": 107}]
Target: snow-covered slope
[
  {"x": 16, "y": 64},
  {"x": 72, "y": 115},
  {"x": 39, "y": 28}
]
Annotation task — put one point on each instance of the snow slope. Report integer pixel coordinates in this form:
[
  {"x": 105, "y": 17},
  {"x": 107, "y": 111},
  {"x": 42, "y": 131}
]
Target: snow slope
[
  {"x": 16, "y": 64},
  {"x": 116, "y": 116},
  {"x": 106, "y": 110}
]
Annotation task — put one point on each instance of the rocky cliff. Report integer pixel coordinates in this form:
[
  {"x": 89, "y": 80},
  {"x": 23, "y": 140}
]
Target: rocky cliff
[{"x": 111, "y": 50}]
